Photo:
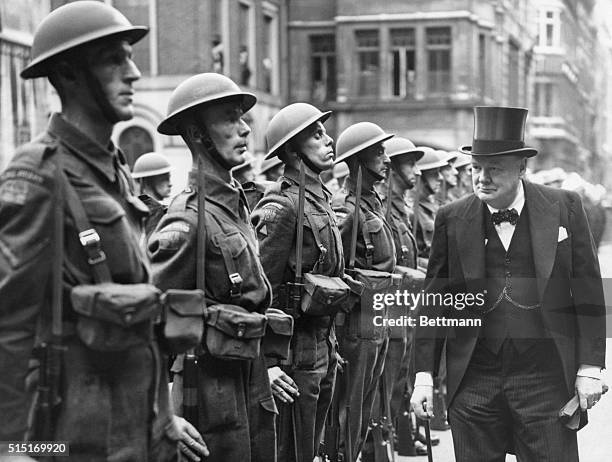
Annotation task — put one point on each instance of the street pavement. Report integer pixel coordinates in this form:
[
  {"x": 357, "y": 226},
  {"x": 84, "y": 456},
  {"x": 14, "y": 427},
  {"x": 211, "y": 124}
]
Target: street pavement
[{"x": 594, "y": 440}]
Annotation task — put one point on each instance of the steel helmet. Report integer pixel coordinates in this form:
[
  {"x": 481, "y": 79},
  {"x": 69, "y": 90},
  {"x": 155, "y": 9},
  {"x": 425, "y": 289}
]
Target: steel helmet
[
  {"x": 150, "y": 164},
  {"x": 399, "y": 146},
  {"x": 462, "y": 160},
  {"x": 340, "y": 170},
  {"x": 290, "y": 121},
  {"x": 73, "y": 25},
  {"x": 201, "y": 89},
  {"x": 269, "y": 164},
  {"x": 449, "y": 157},
  {"x": 358, "y": 137},
  {"x": 432, "y": 159}
]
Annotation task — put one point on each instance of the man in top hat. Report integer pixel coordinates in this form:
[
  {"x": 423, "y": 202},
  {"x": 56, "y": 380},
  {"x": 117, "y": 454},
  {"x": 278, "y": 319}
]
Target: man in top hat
[
  {"x": 526, "y": 254},
  {"x": 361, "y": 147}
]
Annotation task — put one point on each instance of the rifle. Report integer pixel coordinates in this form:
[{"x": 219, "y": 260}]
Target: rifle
[
  {"x": 389, "y": 191},
  {"x": 294, "y": 289},
  {"x": 353, "y": 248},
  {"x": 387, "y": 420},
  {"x": 51, "y": 352},
  {"x": 348, "y": 442},
  {"x": 190, "y": 364},
  {"x": 415, "y": 205},
  {"x": 332, "y": 429}
]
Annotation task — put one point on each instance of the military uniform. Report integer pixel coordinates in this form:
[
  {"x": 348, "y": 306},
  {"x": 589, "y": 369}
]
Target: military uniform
[
  {"x": 427, "y": 209},
  {"x": 313, "y": 363},
  {"x": 114, "y": 406},
  {"x": 396, "y": 361},
  {"x": 156, "y": 211},
  {"x": 365, "y": 351},
  {"x": 236, "y": 408}
]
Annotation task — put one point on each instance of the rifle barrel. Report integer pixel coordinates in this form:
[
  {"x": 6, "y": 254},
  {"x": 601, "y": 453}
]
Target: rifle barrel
[{"x": 353, "y": 249}]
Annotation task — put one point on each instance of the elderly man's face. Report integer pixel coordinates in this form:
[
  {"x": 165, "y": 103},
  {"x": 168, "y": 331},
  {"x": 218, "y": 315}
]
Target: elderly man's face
[{"x": 495, "y": 178}]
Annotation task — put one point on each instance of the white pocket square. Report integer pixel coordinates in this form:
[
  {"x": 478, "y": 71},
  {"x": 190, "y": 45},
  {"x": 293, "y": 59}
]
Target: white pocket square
[{"x": 562, "y": 234}]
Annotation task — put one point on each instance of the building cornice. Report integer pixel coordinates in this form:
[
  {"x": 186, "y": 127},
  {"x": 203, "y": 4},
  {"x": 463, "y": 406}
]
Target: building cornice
[{"x": 391, "y": 17}]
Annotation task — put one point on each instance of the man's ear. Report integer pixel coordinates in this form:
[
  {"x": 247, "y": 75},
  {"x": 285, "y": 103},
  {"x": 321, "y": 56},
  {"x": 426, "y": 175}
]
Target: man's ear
[{"x": 523, "y": 167}]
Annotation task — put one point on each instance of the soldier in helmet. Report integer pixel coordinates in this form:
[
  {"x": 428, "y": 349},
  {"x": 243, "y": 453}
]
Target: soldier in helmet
[
  {"x": 152, "y": 172},
  {"x": 272, "y": 168},
  {"x": 236, "y": 409},
  {"x": 450, "y": 177},
  {"x": 361, "y": 147},
  {"x": 431, "y": 181},
  {"x": 69, "y": 219},
  {"x": 296, "y": 135},
  {"x": 463, "y": 165}
]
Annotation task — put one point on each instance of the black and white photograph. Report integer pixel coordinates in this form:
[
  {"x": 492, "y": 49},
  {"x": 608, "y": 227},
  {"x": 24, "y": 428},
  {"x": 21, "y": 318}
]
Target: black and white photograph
[{"x": 305, "y": 230}]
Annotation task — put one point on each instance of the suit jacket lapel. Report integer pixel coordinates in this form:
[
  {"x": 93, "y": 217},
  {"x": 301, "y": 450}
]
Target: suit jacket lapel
[
  {"x": 544, "y": 231},
  {"x": 470, "y": 242}
]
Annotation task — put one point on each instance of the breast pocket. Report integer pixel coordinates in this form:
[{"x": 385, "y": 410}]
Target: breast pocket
[{"x": 233, "y": 249}]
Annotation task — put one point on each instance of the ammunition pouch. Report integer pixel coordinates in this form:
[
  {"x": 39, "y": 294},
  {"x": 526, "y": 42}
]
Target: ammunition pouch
[
  {"x": 233, "y": 332},
  {"x": 324, "y": 295},
  {"x": 115, "y": 317},
  {"x": 357, "y": 289},
  {"x": 412, "y": 278},
  {"x": 279, "y": 329},
  {"x": 361, "y": 320},
  {"x": 183, "y": 319}
]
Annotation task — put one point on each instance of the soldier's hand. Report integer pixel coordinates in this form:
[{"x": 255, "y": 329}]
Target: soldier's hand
[
  {"x": 421, "y": 401},
  {"x": 283, "y": 386},
  {"x": 191, "y": 444}
]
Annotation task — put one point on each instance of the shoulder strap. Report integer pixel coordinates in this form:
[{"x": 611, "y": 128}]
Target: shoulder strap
[
  {"x": 57, "y": 268},
  {"x": 367, "y": 239},
  {"x": 226, "y": 252},
  {"x": 317, "y": 238},
  {"x": 88, "y": 236}
]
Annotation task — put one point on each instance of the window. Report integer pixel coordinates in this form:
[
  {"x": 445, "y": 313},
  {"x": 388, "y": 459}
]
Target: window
[
  {"x": 270, "y": 61},
  {"x": 549, "y": 28},
  {"x": 439, "y": 43},
  {"x": 16, "y": 92},
  {"x": 513, "y": 73},
  {"x": 246, "y": 35},
  {"x": 135, "y": 141},
  {"x": 368, "y": 69},
  {"x": 543, "y": 98},
  {"x": 403, "y": 55},
  {"x": 482, "y": 64},
  {"x": 323, "y": 65}
]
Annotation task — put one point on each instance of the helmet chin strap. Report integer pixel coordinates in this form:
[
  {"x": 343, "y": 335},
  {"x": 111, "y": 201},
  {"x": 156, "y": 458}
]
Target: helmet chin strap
[
  {"x": 309, "y": 163},
  {"x": 109, "y": 113},
  {"x": 210, "y": 147},
  {"x": 372, "y": 173}
]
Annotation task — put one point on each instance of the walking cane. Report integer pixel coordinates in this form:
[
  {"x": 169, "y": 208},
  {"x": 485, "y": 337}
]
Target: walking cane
[{"x": 428, "y": 437}]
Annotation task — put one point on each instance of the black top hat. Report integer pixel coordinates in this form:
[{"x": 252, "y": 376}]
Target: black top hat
[{"x": 499, "y": 130}]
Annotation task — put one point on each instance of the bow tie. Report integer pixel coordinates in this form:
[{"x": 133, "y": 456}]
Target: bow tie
[{"x": 511, "y": 216}]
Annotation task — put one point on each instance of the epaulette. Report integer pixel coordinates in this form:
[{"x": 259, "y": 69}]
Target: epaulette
[
  {"x": 37, "y": 150},
  {"x": 180, "y": 202}
]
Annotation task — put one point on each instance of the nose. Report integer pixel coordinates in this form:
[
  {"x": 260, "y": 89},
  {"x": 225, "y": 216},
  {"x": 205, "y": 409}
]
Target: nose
[
  {"x": 244, "y": 128},
  {"x": 328, "y": 140},
  {"x": 439, "y": 177},
  {"x": 386, "y": 159},
  {"x": 454, "y": 171},
  {"x": 132, "y": 73},
  {"x": 482, "y": 176},
  {"x": 416, "y": 170}
]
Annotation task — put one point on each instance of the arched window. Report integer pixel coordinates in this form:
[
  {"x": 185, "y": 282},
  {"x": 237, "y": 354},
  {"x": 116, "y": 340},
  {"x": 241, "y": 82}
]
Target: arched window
[{"x": 135, "y": 141}]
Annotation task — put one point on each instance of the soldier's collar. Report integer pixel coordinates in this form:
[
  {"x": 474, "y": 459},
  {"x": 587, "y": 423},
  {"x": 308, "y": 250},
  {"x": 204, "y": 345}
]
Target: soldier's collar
[
  {"x": 313, "y": 181},
  {"x": 226, "y": 195},
  {"x": 86, "y": 149}
]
